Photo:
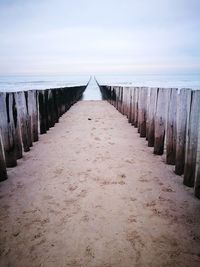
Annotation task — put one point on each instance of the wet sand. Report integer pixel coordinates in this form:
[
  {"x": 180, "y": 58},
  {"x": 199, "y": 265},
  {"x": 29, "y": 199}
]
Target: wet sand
[{"x": 91, "y": 193}]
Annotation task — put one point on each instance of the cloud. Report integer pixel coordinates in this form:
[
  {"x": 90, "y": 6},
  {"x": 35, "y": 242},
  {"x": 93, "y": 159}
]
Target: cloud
[{"x": 50, "y": 36}]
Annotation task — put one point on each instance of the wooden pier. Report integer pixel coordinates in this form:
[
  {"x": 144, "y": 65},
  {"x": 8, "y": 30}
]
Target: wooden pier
[
  {"x": 168, "y": 119},
  {"x": 93, "y": 193},
  {"x": 25, "y": 114}
]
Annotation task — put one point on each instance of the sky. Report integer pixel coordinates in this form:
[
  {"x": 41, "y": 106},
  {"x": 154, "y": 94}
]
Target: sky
[{"x": 99, "y": 36}]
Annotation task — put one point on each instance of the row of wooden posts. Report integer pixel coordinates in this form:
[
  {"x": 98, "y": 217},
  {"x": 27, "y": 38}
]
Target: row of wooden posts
[
  {"x": 25, "y": 114},
  {"x": 169, "y": 119}
]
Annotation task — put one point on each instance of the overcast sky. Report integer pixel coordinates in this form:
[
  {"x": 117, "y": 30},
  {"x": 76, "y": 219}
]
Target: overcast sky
[{"x": 99, "y": 37}]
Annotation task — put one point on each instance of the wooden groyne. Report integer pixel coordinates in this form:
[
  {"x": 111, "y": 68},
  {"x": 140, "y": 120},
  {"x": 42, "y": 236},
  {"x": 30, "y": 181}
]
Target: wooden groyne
[
  {"x": 25, "y": 114},
  {"x": 169, "y": 119}
]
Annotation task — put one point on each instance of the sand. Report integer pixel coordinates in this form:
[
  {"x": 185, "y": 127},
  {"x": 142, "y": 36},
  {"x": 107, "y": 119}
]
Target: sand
[{"x": 91, "y": 193}]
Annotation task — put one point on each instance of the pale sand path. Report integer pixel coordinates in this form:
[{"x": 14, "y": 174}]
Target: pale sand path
[{"x": 91, "y": 193}]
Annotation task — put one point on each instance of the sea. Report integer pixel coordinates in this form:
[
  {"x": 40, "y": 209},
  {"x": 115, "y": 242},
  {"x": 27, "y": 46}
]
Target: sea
[{"x": 12, "y": 83}]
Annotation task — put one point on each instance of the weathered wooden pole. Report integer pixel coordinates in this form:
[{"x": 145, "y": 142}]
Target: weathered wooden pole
[
  {"x": 136, "y": 106},
  {"x": 51, "y": 120},
  {"x": 33, "y": 115},
  {"x": 124, "y": 96},
  {"x": 23, "y": 119},
  {"x": 183, "y": 109},
  {"x": 117, "y": 96},
  {"x": 142, "y": 111},
  {"x": 55, "y": 106},
  {"x": 123, "y": 92},
  {"x": 197, "y": 173},
  {"x": 160, "y": 121},
  {"x": 42, "y": 112},
  {"x": 8, "y": 128},
  {"x": 133, "y": 106},
  {"x": 171, "y": 132},
  {"x": 130, "y": 104},
  {"x": 18, "y": 137},
  {"x": 46, "y": 108},
  {"x": 192, "y": 140},
  {"x": 151, "y": 116},
  {"x": 3, "y": 172},
  {"x": 113, "y": 96},
  {"x": 126, "y": 111},
  {"x": 121, "y": 99},
  {"x": 58, "y": 95},
  {"x": 139, "y": 109},
  {"x": 28, "y": 118}
]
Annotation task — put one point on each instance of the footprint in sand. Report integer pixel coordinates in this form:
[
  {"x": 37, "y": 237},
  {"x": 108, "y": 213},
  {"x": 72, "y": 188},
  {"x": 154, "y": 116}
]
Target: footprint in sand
[
  {"x": 132, "y": 219},
  {"x": 89, "y": 252},
  {"x": 133, "y": 199},
  {"x": 120, "y": 179},
  {"x": 150, "y": 204},
  {"x": 58, "y": 171},
  {"x": 72, "y": 187},
  {"x": 6, "y": 207},
  {"x": 56, "y": 212},
  {"x": 134, "y": 238},
  {"x": 20, "y": 185},
  {"x": 47, "y": 197},
  {"x": 83, "y": 193},
  {"x": 111, "y": 143},
  {"x": 85, "y": 218},
  {"x": 168, "y": 189},
  {"x": 143, "y": 180}
]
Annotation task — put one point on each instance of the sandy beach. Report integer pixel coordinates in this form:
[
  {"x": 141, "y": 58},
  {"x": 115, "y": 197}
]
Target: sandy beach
[{"x": 91, "y": 193}]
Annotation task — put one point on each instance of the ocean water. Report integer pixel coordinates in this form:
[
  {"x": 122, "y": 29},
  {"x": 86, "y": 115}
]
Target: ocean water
[
  {"x": 165, "y": 81},
  {"x": 12, "y": 83},
  {"x": 92, "y": 92}
]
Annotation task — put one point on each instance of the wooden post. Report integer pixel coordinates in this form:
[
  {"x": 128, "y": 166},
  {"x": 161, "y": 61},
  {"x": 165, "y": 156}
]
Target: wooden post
[
  {"x": 114, "y": 96},
  {"x": 117, "y": 96},
  {"x": 142, "y": 111},
  {"x": 42, "y": 112},
  {"x": 139, "y": 108},
  {"x": 197, "y": 174},
  {"x": 120, "y": 98},
  {"x": 33, "y": 115},
  {"x": 127, "y": 102},
  {"x": 55, "y": 106},
  {"x": 171, "y": 127},
  {"x": 147, "y": 110},
  {"x": 192, "y": 140},
  {"x": 160, "y": 121},
  {"x": 18, "y": 138},
  {"x": 124, "y": 100},
  {"x": 51, "y": 109},
  {"x": 183, "y": 108},
  {"x": 3, "y": 172},
  {"x": 46, "y": 109},
  {"x": 130, "y": 104},
  {"x": 28, "y": 118},
  {"x": 8, "y": 129},
  {"x": 23, "y": 119},
  {"x": 133, "y": 106},
  {"x": 136, "y": 107},
  {"x": 151, "y": 116}
]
